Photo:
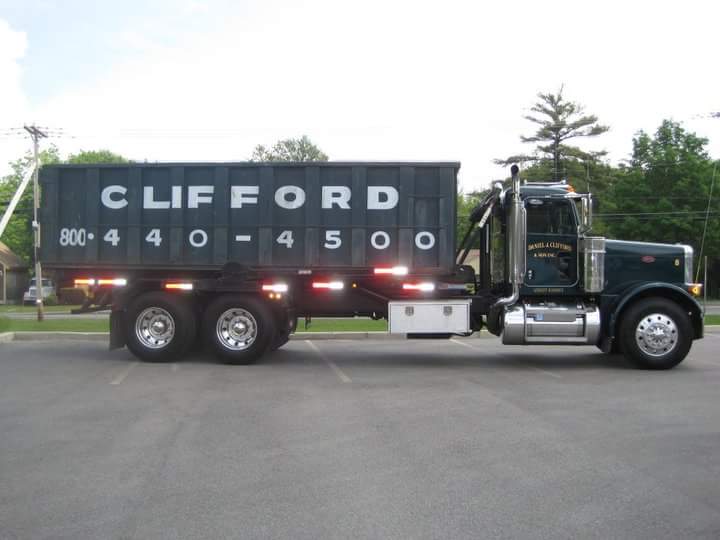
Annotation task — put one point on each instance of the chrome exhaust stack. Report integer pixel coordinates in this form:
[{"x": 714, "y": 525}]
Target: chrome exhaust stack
[{"x": 517, "y": 243}]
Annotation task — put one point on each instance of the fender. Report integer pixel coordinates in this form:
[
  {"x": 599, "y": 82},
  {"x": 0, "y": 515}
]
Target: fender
[{"x": 663, "y": 290}]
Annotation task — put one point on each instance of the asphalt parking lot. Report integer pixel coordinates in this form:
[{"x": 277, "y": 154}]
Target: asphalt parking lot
[{"x": 358, "y": 439}]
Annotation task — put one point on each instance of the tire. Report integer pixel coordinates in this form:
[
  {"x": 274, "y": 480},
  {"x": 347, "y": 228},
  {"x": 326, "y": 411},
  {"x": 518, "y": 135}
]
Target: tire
[
  {"x": 282, "y": 336},
  {"x": 160, "y": 326},
  {"x": 655, "y": 333},
  {"x": 239, "y": 328}
]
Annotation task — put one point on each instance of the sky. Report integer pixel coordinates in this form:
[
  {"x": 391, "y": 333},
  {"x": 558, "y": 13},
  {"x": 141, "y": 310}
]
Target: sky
[{"x": 207, "y": 80}]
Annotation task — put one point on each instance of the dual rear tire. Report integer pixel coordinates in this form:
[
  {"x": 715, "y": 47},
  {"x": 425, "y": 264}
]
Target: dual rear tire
[
  {"x": 161, "y": 327},
  {"x": 239, "y": 328}
]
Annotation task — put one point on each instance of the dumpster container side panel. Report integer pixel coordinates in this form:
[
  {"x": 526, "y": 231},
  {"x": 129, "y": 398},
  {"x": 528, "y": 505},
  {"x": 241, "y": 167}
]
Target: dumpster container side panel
[{"x": 302, "y": 215}]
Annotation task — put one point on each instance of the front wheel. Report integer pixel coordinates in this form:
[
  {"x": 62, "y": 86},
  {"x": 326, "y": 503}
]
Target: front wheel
[
  {"x": 160, "y": 326},
  {"x": 239, "y": 328},
  {"x": 656, "y": 334}
]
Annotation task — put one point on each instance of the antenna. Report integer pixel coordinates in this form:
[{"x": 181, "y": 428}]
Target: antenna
[{"x": 707, "y": 216}]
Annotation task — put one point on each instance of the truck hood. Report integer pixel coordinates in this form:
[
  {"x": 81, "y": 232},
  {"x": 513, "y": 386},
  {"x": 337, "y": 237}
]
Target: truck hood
[{"x": 627, "y": 263}]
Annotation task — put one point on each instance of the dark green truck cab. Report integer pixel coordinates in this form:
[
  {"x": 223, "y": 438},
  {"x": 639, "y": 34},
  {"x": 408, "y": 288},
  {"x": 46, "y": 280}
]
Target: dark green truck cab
[{"x": 575, "y": 288}]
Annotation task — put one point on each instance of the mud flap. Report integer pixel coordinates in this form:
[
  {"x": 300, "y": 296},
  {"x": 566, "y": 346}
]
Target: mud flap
[{"x": 117, "y": 330}]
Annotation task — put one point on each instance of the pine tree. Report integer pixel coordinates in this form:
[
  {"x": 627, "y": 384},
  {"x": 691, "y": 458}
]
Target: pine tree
[{"x": 558, "y": 122}]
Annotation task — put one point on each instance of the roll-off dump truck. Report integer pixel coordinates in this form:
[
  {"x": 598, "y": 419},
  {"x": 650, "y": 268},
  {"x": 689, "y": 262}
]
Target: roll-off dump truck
[{"x": 233, "y": 254}]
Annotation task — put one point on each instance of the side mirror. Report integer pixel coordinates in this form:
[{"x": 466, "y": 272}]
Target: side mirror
[{"x": 585, "y": 214}]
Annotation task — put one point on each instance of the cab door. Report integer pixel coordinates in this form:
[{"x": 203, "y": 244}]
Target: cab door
[{"x": 552, "y": 242}]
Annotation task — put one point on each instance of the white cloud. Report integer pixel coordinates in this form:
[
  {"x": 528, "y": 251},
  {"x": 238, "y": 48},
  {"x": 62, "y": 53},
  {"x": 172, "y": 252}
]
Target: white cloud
[
  {"x": 13, "y": 103},
  {"x": 398, "y": 80}
]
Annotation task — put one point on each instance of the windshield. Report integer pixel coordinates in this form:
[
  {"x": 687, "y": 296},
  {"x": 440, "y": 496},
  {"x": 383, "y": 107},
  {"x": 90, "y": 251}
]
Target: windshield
[{"x": 45, "y": 282}]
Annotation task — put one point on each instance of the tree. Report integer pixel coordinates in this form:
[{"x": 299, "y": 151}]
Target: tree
[
  {"x": 558, "y": 121},
  {"x": 18, "y": 234},
  {"x": 96, "y": 156},
  {"x": 465, "y": 204},
  {"x": 661, "y": 195},
  {"x": 301, "y": 149}
]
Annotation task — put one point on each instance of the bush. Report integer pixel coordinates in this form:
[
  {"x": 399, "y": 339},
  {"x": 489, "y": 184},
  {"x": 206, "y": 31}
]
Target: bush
[
  {"x": 50, "y": 300},
  {"x": 72, "y": 296}
]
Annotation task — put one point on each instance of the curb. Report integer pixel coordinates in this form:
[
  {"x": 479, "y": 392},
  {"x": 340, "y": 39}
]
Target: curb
[{"x": 53, "y": 336}]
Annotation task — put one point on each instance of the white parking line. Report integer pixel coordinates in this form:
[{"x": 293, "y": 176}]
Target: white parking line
[
  {"x": 124, "y": 373},
  {"x": 462, "y": 343},
  {"x": 339, "y": 372},
  {"x": 543, "y": 371},
  {"x": 173, "y": 367}
]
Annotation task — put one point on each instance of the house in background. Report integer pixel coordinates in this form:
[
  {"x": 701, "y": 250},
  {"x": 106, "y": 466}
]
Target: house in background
[{"x": 14, "y": 276}]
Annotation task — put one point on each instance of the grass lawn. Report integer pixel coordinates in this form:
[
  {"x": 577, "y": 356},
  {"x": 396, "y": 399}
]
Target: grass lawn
[
  {"x": 343, "y": 325},
  {"x": 12, "y": 308},
  {"x": 55, "y": 325},
  {"x": 712, "y": 319}
]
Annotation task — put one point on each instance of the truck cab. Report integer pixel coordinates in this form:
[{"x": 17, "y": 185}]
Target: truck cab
[{"x": 572, "y": 287}]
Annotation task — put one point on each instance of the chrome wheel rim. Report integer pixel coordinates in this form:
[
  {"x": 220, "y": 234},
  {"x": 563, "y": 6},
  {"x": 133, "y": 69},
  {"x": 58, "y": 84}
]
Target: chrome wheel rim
[
  {"x": 236, "y": 329},
  {"x": 155, "y": 328},
  {"x": 656, "y": 334}
]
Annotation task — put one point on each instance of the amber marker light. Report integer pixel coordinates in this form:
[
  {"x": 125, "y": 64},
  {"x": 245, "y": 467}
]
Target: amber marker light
[
  {"x": 694, "y": 288},
  {"x": 179, "y": 286},
  {"x": 114, "y": 282}
]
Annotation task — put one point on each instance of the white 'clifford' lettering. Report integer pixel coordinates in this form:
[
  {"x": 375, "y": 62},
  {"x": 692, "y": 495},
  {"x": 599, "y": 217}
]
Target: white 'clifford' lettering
[
  {"x": 296, "y": 200},
  {"x": 200, "y": 195},
  {"x": 373, "y": 197},
  {"x": 109, "y": 202},
  {"x": 339, "y": 195},
  {"x": 240, "y": 195},
  {"x": 287, "y": 197},
  {"x": 149, "y": 201}
]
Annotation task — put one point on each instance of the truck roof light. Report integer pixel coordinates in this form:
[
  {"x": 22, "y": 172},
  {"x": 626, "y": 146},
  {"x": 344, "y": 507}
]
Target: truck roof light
[
  {"x": 275, "y": 287},
  {"x": 179, "y": 286},
  {"x": 425, "y": 286},
  {"x": 395, "y": 270},
  {"x": 332, "y": 285},
  {"x": 84, "y": 281}
]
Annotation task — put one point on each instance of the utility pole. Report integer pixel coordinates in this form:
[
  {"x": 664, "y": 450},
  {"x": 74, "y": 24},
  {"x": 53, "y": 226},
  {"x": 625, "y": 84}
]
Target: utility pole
[{"x": 36, "y": 135}]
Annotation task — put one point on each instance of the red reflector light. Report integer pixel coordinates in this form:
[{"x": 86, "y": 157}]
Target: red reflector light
[
  {"x": 425, "y": 287},
  {"x": 395, "y": 270},
  {"x": 332, "y": 285},
  {"x": 179, "y": 286}
]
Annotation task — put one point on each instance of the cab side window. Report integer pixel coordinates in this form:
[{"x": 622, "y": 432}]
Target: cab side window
[{"x": 550, "y": 217}]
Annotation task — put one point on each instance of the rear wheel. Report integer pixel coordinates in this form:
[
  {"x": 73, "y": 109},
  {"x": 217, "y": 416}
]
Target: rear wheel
[
  {"x": 160, "y": 326},
  {"x": 282, "y": 336},
  {"x": 655, "y": 333},
  {"x": 239, "y": 328}
]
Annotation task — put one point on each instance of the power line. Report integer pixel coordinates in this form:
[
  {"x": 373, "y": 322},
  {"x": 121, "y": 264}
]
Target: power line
[{"x": 625, "y": 214}]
